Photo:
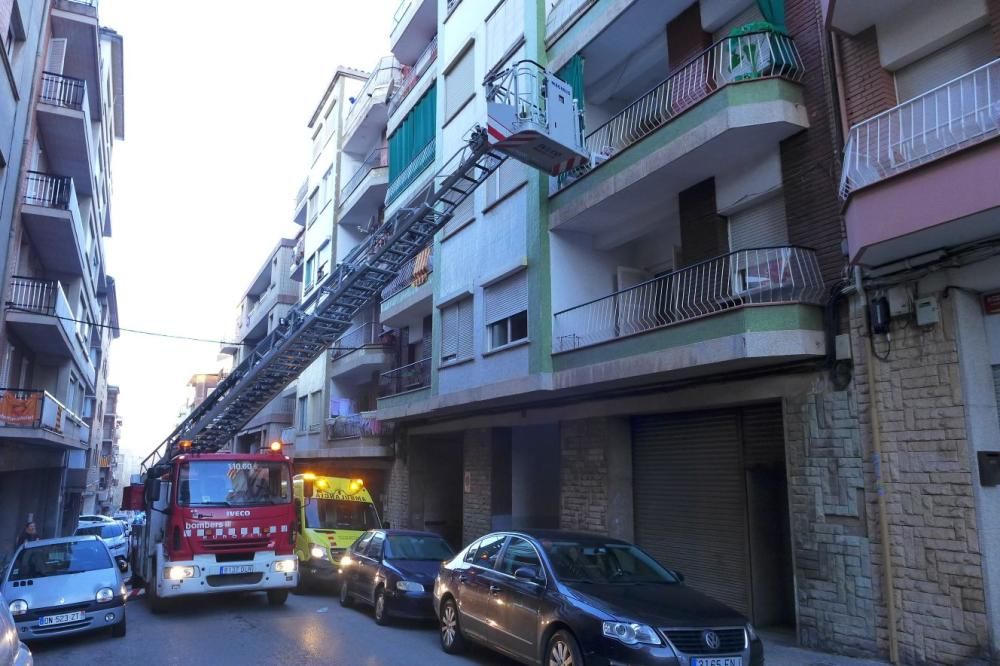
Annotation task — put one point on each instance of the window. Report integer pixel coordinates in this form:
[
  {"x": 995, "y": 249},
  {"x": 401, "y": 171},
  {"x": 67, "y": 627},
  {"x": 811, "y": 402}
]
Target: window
[
  {"x": 510, "y": 176},
  {"x": 15, "y": 32},
  {"x": 303, "y": 413},
  {"x": 312, "y": 206},
  {"x": 414, "y": 134},
  {"x": 459, "y": 84},
  {"x": 310, "y": 271},
  {"x": 456, "y": 331},
  {"x": 519, "y": 553},
  {"x": 362, "y": 542},
  {"x": 504, "y": 28},
  {"x": 506, "y": 305},
  {"x": 760, "y": 225},
  {"x": 942, "y": 66},
  {"x": 315, "y": 409},
  {"x": 470, "y": 554},
  {"x": 317, "y": 144},
  {"x": 374, "y": 549},
  {"x": 489, "y": 549}
]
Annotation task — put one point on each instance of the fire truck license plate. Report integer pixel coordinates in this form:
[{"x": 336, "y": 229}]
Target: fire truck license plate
[
  {"x": 717, "y": 661},
  {"x": 62, "y": 618},
  {"x": 243, "y": 568}
]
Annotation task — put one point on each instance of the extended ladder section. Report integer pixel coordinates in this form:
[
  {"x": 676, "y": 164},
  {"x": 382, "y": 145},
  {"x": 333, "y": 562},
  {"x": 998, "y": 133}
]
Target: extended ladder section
[{"x": 311, "y": 327}]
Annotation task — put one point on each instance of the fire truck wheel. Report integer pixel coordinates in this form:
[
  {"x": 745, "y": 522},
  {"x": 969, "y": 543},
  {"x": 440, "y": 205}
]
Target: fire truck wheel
[
  {"x": 118, "y": 630},
  {"x": 277, "y": 597},
  {"x": 156, "y": 604}
]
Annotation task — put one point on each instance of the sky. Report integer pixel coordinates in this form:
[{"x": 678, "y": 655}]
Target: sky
[{"x": 218, "y": 94}]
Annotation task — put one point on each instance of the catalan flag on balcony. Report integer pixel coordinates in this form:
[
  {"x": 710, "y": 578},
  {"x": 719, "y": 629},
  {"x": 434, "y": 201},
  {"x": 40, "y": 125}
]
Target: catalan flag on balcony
[{"x": 20, "y": 408}]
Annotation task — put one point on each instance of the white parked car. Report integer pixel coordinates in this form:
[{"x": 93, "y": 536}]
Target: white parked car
[{"x": 112, "y": 533}]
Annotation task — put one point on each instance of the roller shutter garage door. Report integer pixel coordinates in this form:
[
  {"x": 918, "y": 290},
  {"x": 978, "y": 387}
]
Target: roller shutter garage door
[{"x": 691, "y": 494}]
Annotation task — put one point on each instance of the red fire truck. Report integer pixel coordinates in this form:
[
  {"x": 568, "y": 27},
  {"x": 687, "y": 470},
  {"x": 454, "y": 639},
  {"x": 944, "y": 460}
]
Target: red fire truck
[{"x": 216, "y": 522}]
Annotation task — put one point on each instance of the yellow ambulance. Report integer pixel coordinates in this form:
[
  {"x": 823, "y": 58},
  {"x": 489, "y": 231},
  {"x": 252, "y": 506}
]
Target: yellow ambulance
[{"x": 332, "y": 513}]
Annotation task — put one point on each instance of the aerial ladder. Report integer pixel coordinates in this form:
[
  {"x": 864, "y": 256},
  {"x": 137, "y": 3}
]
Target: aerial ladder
[{"x": 531, "y": 117}]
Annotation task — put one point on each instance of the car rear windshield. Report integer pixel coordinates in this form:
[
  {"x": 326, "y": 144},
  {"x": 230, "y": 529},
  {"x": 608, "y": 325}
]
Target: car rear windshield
[
  {"x": 610, "y": 563},
  {"x": 105, "y": 531},
  {"x": 336, "y": 514},
  {"x": 416, "y": 547},
  {"x": 60, "y": 559}
]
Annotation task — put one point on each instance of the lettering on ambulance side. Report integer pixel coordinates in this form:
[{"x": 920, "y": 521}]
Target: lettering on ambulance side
[{"x": 340, "y": 495}]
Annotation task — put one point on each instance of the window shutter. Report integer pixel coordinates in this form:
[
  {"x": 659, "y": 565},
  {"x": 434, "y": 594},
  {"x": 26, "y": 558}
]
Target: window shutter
[
  {"x": 449, "y": 331},
  {"x": 503, "y": 29},
  {"x": 509, "y": 176},
  {"x": 760, "y": 225},
  {"x": 507, "y": 297},
  {"x": 942, "y": 66},
  {"x": 459, "y": 83},
  {"x": 56, "y": 56},
  {"x": 465, "y": 345}
]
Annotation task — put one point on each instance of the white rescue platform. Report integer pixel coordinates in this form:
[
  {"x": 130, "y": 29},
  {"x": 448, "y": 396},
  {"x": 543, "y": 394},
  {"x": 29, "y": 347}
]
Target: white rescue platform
[{"x": 533, "y": 117}]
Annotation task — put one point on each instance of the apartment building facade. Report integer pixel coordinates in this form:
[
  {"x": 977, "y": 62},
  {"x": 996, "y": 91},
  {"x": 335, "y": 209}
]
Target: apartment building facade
[
  {"x": 271, "y": 294},
  {"x": 60, "y": 309},
  {"x": 668, "y": 345},
  {"x": 921, "y": 114},
  {"x": 109, "y": 461}
]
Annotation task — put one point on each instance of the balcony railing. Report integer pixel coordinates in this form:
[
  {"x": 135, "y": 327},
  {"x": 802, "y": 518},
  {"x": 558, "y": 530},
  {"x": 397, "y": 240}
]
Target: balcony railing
[
  {"x": 414, "y": 273},
  {"x": 386, "y": 73},
  {"x": 376, "y": 159},
  {"x": 31, "y": 295},
  {"x": 406, "y": 378},
  {"x": 30, "y": 408},
  {"x": 64, "y": 91},
  {"x": 368, "y": 334},
  {"x": 406, "y": 177},
  {"x": 411, "y": 75},
  {"x": 764, "y": 276},
  {"x": 559, "y": 12},
  {"x": 49, "y": 190},
  {"x": 736, "y": 59},
  {"x": 363, "y": 424},
  {"x": 961, "y": 113}
]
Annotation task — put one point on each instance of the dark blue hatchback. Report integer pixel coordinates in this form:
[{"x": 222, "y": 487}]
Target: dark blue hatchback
[{"x": 393, "y": 571}]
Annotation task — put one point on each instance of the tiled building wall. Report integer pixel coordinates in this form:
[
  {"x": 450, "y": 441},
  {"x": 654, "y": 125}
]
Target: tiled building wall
[{"x": 477, "y": 484}]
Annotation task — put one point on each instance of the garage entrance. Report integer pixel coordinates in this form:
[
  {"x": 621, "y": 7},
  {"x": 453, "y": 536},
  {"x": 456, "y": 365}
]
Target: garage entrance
[
  {"x": 711, "y": 500},
  {"x": 436, "y": 465}
]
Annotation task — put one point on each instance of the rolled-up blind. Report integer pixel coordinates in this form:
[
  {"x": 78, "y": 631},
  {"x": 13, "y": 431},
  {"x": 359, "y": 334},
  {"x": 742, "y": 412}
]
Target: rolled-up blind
[
  {"x": 449, "y": 332},
  {"x": 507, "y": 297}
]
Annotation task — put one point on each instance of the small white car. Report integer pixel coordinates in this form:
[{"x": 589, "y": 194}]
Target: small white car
[
  {"x": 111, "y": 533},
  {"x": 68, "y": 585}
]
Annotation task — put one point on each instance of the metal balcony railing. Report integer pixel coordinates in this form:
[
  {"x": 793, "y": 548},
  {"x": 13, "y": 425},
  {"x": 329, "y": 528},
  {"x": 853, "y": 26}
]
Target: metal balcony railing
[
  {"x": 386, "y": 73},
  {"x": 61, "y": 90},
  {"x": 31, "y": 295},
  {"x": 376, "y": 159},
  {"x": 350, "y": 426},
  {"x": 414, "y": 273},
  {"x": 763, "y": 276},
  {"x": 961, "y": 113},
  {"x": 363, "y": 335},
  {"x": 406, "y": 177},
  {"x": 32, "y": 408},
  {"x": 406, "y": 378},
  {"x": 411, "y": 75},
  {"x": 748, "y": 57},
  {"x": 49, "y": 190},
  {"x": 559, "y": 12}
]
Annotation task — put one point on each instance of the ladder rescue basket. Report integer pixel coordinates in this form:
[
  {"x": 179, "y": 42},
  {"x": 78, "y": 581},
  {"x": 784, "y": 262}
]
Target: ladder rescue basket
[{"x": 533, "y": 117}]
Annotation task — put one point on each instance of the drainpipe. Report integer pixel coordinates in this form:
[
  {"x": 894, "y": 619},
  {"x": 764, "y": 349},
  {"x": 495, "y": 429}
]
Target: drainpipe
[
  {"x": 876, "y": 427},
  {"x": 838, "y": 74}
]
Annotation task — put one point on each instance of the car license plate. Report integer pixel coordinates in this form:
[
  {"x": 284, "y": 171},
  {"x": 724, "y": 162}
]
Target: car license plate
[
  {"x": 717, "y": 661},
  {"x": 61, "y": 618},
  {"x": 243, "y": 568}
]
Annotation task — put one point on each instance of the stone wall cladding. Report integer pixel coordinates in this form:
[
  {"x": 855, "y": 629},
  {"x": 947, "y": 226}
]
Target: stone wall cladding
[
  {"x": 477, "y": 500},
  {"x": 833, "y": 578},
  {"x": 869, "y": 89},
  {"x": 397, "y": 495},
  {"x": 937, "y": 566},
  {"x": 583, "y": 478}
]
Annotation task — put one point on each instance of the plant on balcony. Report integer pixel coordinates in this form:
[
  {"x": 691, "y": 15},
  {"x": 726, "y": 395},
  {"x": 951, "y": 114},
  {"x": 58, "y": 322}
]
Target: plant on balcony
[{"x": 755, "y": 49}]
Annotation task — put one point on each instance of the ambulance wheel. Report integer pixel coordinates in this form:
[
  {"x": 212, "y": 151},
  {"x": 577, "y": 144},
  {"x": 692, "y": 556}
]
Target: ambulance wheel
[{"x": 277, "y": 597}]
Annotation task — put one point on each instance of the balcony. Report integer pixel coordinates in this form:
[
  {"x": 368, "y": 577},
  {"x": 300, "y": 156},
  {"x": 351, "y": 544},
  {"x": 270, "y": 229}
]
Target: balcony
[
  {"x": 363, "y": 195},
  {"x": 412, "y": 74},
  {"x": 51, "y": 216},
  {"x": 412, "y": 377},
  {"x": 728, "y": 107},
  {"x": 410, "y": 174},
  {"x": 744, "y": 309},
  {"x": 359, "y": 435},
  {"x": 36, "y": 417},
  {"x": 298, "y": 258},
  {"x": 64, "y": 118},
  {"x": 414, "y": 23},
  {"x": 854, "y": 16},
  {"x": 39, "y": 314},
  {"x": 410, "y": 293},
  {"x": 77, "y": 22},
  {"x": 369, "y": 114},
  {"x": 922, "y": 175},
  {"x": 364, "y": 349}
]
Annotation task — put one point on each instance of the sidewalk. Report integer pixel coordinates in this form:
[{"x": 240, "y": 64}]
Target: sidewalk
[{"x": 779, "y": 650}]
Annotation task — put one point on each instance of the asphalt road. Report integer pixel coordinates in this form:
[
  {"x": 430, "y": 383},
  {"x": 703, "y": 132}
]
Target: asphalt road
[{"x": 243, "y": 629}]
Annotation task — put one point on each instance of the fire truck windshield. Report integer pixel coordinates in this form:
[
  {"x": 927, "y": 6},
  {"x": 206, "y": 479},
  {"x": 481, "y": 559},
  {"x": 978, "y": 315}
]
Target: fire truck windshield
[
  {"x": 233, "y": 483},
  {"x": 335, "y": 514}
]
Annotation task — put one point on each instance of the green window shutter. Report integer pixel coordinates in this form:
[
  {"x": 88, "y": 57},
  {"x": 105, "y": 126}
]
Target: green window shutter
[
  {"x": 415, "y": 132},
  {"x": 572, "y": 74}
]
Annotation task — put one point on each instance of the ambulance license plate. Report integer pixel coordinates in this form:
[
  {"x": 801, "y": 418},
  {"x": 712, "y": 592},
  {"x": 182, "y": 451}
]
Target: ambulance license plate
[
  {"x": 240, "y": 569},
  {"x": 61, "y": 618},
  {"x": 717, "y": 661}
]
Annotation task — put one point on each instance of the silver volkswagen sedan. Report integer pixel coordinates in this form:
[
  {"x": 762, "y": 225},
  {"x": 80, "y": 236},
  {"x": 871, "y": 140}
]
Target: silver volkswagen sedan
[{"x": 55, "y": 587}]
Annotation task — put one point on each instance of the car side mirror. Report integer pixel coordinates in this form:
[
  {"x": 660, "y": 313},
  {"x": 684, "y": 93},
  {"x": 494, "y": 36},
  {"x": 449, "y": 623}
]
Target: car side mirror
[
  {"x": 153, "y": 488},
  {"x": 529, "y": 574},
  {"x": 678, "y": 575},
  {"x": 307, "y": 488}
]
